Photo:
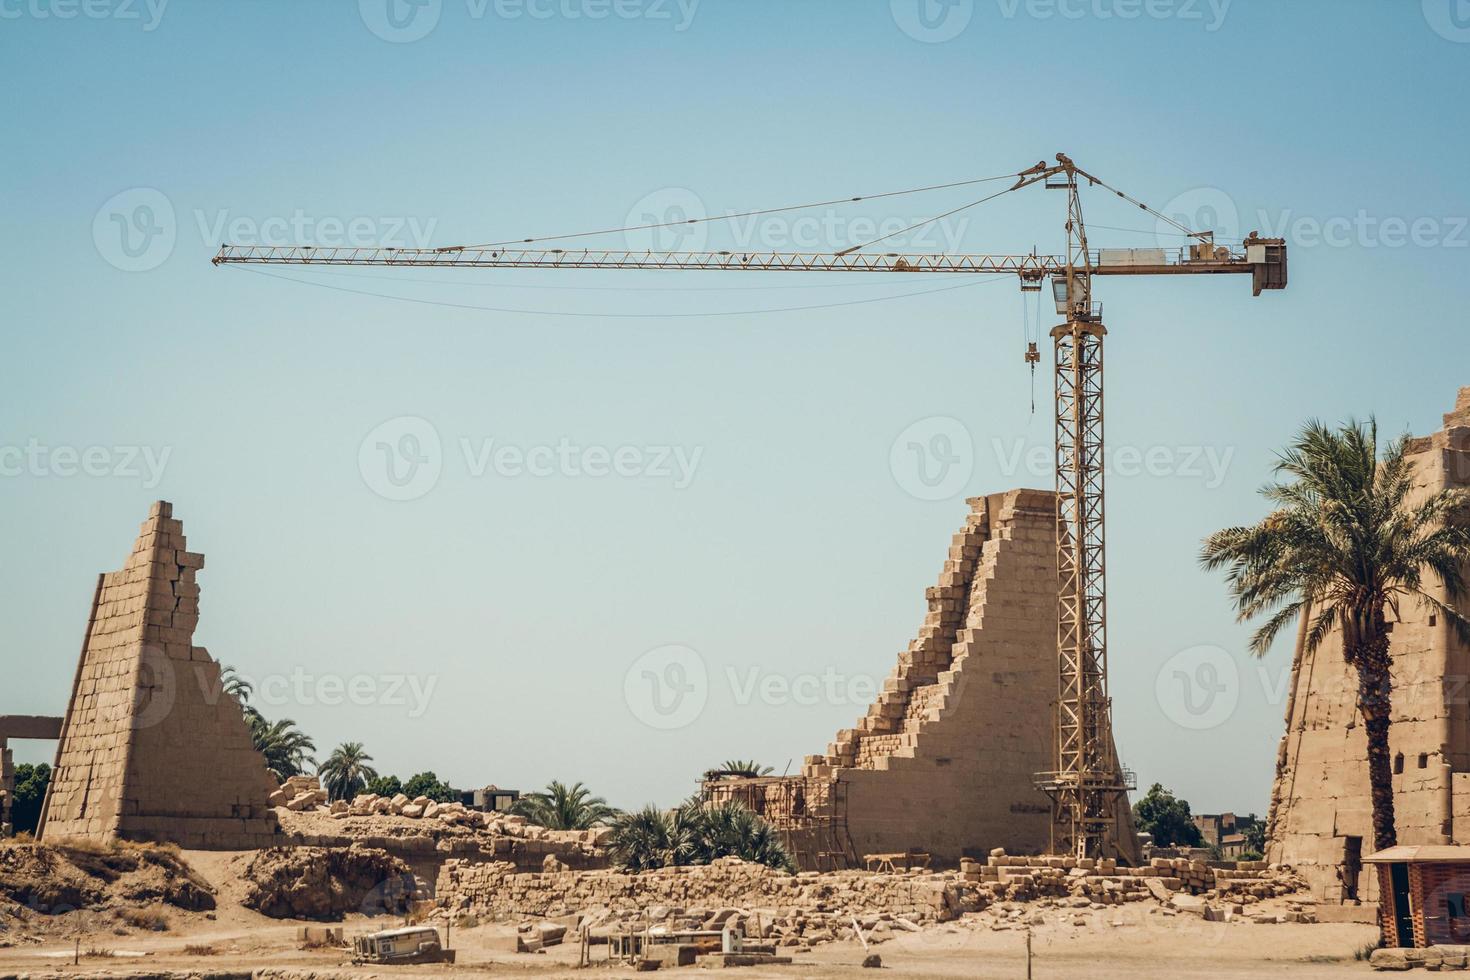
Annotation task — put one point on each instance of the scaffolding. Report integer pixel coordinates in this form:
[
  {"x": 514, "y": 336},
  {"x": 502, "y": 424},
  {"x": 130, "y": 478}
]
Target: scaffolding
[{"x": 809, "y": 813}]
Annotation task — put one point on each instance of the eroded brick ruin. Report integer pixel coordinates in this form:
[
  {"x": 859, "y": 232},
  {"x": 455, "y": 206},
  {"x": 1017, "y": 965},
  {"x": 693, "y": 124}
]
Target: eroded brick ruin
[
  {"x": 151, "y": 747},
  {"x": 1321, "y": 814},
  {"x": 945, "y": 760}
]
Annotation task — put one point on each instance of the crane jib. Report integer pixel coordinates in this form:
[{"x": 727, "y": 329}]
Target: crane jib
[{"x": 1269, "y": 264}]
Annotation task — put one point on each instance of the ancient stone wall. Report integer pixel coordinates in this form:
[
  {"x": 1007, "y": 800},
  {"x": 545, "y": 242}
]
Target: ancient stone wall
[
  {"x": 151, "y": 747},
  {"x": 498, "y": 890},
  {"x": 945, "y": 759},
  {"x": 1321, "y": 813}
]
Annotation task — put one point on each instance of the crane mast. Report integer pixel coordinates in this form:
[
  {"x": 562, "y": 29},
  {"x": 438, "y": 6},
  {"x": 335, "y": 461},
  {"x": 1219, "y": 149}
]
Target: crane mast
[{"x": 1087, "y": 786}]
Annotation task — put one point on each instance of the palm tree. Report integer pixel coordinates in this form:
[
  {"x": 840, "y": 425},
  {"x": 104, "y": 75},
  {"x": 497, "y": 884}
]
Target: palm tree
[
  {"x": 346, "y": 771},
  {"x": 1342, "y": 547},
  {"x": 285, "y": 747},
  {"x": 652, "y": 838},
  {"x": 732, "y": 829},
  {"x": 564, "y": 807},
  {"x": 236, "y": 686},
  {"x": 739, "y": 769},
  {"x": 695, "y": 833}
]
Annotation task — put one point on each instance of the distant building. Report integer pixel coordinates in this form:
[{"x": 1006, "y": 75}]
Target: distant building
[
  {"x": 1226, "y": 831},
  {"x": 491, "y": 799}
]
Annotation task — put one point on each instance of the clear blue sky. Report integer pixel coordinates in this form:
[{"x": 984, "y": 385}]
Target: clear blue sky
[{"x": 790, "y": 550}]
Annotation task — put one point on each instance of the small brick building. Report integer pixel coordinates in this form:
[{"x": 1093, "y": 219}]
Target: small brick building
[{"x": 1424, "y": 894}]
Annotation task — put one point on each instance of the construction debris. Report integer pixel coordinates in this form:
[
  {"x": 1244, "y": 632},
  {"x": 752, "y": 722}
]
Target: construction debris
[
  {"x": 327, "y": 883},
  {"x": 807, "y": 909}
]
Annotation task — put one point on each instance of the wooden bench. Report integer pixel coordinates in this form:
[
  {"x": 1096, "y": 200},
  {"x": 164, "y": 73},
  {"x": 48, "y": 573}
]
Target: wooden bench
[{"x": 889, "y": 863}]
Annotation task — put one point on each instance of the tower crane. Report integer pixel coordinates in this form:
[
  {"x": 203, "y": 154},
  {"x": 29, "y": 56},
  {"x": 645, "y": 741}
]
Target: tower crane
[{"x": 1087, "y": 786}]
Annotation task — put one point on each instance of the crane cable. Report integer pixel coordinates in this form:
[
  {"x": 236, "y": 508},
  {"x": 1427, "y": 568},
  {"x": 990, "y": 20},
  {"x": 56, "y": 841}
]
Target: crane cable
[
  {"x": 1201, "y": 235},
  {"x": 731, "y": 217},
  {"x": 924, "y": 223},
  {"x": 1031, "y": 333}
]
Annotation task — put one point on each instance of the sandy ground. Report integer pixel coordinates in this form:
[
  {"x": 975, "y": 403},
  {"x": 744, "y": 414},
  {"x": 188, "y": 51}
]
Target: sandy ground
[
  {"x": 1099, "y": 952},
  {"x": 1128, "y": 942}
]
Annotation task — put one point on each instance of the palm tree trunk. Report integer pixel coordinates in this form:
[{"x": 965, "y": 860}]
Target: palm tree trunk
[{"x": 1374, "y": 704}]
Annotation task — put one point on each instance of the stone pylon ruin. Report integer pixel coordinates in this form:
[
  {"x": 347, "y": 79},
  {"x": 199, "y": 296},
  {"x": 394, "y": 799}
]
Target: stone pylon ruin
[
  {"x": 945, "y": 759},
  {"x": 1321, "y": 815},
  {"x": 151, "y": 747}
]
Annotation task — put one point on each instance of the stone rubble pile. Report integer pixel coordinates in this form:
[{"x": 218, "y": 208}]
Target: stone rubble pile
[
  {"x": 414, "y": 828},
  {"x": 299, "y": 794},
  {"x": 1433, "y": 958},
  {"x": 1017, "y": 878},
  {"x": 793, "y": 910},
  {"x": 810, "y": 908}
]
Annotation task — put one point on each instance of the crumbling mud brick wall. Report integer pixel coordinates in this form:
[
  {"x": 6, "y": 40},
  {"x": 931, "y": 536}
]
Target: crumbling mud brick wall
[
  {"x": 151, "y": 747},
  {"x": 945, "y": 759},
  {"x": 1321, "y": 813}
]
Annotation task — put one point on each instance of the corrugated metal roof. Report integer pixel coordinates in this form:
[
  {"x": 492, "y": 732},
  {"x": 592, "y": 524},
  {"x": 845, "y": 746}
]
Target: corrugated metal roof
[{"x": 1422, "y": 854}]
